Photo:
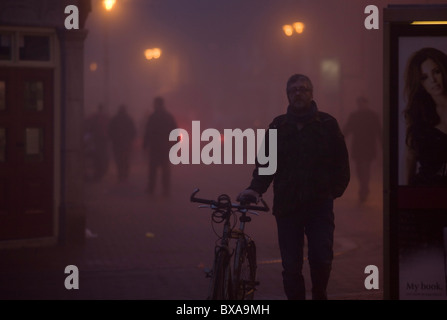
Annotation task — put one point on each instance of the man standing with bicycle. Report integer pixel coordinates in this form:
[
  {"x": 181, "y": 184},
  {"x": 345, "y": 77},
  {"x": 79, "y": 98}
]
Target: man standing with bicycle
[{"x": 313, "y": 170}]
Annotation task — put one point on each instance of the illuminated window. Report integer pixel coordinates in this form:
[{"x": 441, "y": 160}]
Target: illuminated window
[{"x": 330, "y": 75}]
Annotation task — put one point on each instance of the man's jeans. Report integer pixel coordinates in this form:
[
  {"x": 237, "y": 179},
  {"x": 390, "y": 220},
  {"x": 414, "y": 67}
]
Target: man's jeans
[{"x": 319, "y": 230}]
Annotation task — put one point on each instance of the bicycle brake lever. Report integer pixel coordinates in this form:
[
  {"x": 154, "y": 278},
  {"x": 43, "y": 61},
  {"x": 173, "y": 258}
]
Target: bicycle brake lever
[{"x": 253, "y": 212}]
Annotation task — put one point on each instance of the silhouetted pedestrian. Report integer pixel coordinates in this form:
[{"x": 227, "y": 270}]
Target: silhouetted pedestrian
[
  {"x": 97, "y": 141},
  {"x": 365, "y": 130},
  {"x": 312, "y": 170},
  {"x": 122, "y": 133},
  {"x": 157, "y": 145}
]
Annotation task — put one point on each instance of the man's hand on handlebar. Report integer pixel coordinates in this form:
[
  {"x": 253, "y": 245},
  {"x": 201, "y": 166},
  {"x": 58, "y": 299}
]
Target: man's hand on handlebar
[{"x": 248, "y": 196}]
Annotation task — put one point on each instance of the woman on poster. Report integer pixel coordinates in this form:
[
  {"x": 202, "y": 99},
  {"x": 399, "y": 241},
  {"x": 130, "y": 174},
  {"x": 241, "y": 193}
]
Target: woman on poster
[{"x": 426, "y": 118}]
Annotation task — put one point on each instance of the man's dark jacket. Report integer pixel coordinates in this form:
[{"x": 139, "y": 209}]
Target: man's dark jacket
[{"x": 312, "y": 162}]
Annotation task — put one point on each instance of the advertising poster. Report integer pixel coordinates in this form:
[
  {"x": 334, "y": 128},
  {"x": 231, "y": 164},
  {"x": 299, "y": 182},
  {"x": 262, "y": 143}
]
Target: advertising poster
[
  {"x": 417, "y": 180},
  {"x": 422, "y": 271},
  {"x": 422, "y": 254}
]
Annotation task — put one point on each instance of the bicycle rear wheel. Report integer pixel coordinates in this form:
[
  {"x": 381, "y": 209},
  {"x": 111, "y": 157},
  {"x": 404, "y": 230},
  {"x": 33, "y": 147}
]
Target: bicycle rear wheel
[
  {"x": 220, "y": 287},
  {"x": 245, "y": 271}
]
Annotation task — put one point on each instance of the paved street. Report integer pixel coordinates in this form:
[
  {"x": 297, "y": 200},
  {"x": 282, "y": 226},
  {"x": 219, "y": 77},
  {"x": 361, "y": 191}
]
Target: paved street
[{"x": 154, "y": 248}]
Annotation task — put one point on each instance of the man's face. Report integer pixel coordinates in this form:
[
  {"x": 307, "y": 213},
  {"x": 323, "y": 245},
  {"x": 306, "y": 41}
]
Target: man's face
[{"x": 300, "y": 95}]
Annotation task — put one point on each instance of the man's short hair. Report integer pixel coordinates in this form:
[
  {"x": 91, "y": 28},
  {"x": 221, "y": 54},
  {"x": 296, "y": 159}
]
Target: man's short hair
[
  {"x": 159, "y": 103},
  {"x": 297, "y": 77}
]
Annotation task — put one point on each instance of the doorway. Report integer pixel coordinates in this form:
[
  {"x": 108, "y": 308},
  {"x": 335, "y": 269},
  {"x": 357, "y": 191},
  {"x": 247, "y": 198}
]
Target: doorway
[{"x": 26, "y": 153}]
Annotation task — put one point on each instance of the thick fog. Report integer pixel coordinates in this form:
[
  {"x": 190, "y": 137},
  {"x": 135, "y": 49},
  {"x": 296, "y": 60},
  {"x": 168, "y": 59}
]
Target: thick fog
[{"x": 226, "y": 63}]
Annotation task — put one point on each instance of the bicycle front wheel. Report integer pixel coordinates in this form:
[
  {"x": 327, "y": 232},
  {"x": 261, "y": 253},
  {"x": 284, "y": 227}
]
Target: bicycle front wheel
[
  {"x": 220, "y": 288},
  {"x": 245, "y": 272}
]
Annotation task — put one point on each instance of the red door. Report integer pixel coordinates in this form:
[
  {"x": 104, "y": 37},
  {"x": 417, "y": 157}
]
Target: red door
[{"x": 26, "y": 153}]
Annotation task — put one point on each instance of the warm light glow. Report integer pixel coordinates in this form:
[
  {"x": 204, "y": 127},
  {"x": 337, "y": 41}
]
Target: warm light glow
[
  {"x": 148, "y": 54},
  {"x": 299, "y": 27},
  {"x": 288, "y": 30},
  {"x": 154, "y": 53},
  {"x": 330, "y": 75},
  {"x": 157, "y": 53},
  {"x": 109, "y": 4},
  {"x": 428, "y": 22},
  {"x": 93, "y": 66}
]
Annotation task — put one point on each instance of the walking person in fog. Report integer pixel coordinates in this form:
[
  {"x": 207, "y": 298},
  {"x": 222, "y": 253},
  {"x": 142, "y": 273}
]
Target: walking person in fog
[
  {"x": 98, "y": 143},
  {"x": 157, "y": 145},
  {"x": 313, "y": 170},
  {"x": 365, "y": 130},
  {"x": 122, "y": 133}
]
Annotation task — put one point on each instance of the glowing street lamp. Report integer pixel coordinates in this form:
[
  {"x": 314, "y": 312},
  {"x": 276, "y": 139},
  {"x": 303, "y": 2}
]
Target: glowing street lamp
[
  {"x": 109, "y": 4},
  {"x": 297, "y": 27},
  {"x": 153, "y": 53},
  {"x": 93, "y": 66},
  {"x": 288, "y": 30}
]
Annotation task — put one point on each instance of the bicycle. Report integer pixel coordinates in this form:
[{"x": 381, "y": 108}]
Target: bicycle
[{"x": 233, "y": 276}]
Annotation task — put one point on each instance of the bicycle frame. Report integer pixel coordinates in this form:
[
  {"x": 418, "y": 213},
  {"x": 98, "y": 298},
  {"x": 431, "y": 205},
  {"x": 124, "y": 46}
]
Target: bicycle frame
[
  {"x": 223, "y": 254},
  {"x": 241, "y": 243},
  {"x": 222, "y": 260}
]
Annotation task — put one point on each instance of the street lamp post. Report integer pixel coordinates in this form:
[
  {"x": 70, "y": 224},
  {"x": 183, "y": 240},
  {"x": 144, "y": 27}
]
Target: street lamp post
[{"x": 108, "y": 5}]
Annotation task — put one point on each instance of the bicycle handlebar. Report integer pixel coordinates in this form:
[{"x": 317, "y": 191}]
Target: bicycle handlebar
[{"x": 221, "y": 205}]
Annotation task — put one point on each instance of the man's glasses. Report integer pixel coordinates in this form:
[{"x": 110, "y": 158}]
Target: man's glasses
[{"x": 298, "y": 89}]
